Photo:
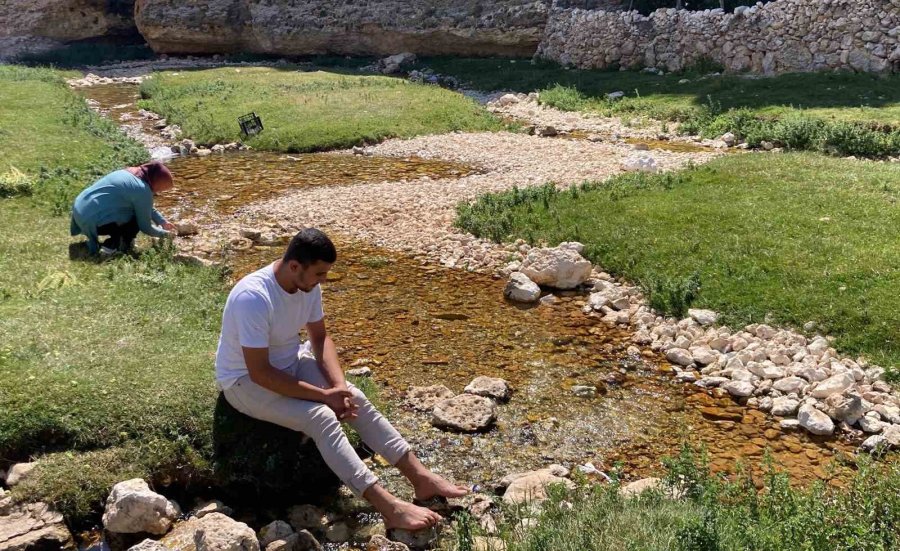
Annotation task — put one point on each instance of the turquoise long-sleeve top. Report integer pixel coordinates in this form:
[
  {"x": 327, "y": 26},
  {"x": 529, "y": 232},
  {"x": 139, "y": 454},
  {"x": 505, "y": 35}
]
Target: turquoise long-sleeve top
[{"x": 116, "y": 198}]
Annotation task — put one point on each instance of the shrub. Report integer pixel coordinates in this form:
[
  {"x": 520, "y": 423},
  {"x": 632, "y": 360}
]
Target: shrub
[{"x": 565, "y": 98}]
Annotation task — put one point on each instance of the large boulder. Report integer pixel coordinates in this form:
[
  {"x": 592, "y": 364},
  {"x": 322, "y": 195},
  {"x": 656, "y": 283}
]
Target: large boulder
[
  {"x": 383, "y": 27},
  {"x": 561, "y": 267},
  {"x": 34, "y": 527},
  {"x": 464, "y": 413},
  {"x": 260, "y": 459},
  {"x": 132, "y": 508}
]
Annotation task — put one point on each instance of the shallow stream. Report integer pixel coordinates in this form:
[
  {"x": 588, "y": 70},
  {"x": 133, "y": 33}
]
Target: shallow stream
[{"x": 421, "y": 324}]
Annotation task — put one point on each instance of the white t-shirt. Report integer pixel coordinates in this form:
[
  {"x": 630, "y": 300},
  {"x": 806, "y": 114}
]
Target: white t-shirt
[{"x": 260, "y": 314}]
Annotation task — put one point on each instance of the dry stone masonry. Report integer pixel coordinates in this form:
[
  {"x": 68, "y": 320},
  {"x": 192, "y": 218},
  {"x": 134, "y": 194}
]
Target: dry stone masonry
[{"x": 781, "y": 36}]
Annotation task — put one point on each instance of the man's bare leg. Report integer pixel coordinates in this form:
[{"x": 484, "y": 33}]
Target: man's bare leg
[
  {"x": 398, "y": 513},
  {"x": 427, "y": 484}
]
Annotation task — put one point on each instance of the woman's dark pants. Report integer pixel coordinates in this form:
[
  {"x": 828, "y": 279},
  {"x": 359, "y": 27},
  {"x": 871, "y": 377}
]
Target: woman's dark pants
[{"x": 121, "y": 237}]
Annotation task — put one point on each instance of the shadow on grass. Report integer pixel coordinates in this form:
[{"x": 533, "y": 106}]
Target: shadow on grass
[{"x": 806, "y": 90}]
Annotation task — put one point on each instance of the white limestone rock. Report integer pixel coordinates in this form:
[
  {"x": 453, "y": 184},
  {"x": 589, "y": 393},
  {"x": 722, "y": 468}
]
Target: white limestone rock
[
  {"x": 784, "y": 406},
  {"x": 489, "y": 387},
  {"x": 532, "y": 486},
  {"x": 703, "y": 317},
  {"x": 739, "y": 388},
  {"x": 680, "y": 356},
  {"x": 464, "y": 413},
  {"x": 559, "y": 267},
  {"x": 815, "y": 421},
  {"x": 521, "y": 289},
  {"x": 835, "y": 384},
  {"x": 132, "y": 507}
]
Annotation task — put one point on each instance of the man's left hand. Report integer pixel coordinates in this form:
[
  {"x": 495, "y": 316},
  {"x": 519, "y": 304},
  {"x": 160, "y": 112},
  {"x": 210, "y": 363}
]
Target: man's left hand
[{"x": 168, "y": 226}]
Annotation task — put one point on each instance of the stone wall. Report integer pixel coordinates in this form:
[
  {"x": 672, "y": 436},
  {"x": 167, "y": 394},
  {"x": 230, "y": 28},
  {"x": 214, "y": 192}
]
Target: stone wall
[
  {"x": 781, "y": 36},
  {"x": 295, "y": 27},
  {"x": 39, "y": 24}
]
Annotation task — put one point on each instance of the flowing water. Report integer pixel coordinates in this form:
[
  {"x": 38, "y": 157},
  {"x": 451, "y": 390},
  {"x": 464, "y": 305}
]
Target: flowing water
[{"x": 420, "y": 324}]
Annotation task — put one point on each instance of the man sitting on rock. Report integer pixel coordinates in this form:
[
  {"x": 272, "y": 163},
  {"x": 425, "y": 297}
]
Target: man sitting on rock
[{"x": 265, "y": 372}]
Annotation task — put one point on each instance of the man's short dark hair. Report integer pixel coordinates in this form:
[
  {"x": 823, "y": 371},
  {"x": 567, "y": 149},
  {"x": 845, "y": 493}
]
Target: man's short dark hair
[{"x": 310, "y": 245}]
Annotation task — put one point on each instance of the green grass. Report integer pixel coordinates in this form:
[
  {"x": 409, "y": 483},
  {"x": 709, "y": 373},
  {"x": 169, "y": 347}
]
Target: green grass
[
  {"x": 714, "y": 514},
  {"x": 106, "y": 368},
  {"x": 798, "y": 237},
  {"x": 830, "y": 96},
  {"x": 835, "y": 113},
  {"x": 298, "y": 109}
]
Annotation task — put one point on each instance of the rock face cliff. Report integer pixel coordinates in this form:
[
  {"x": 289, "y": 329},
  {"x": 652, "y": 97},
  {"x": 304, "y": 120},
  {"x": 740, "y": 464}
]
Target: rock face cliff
[
  {"x": 25, "y": 23},
  {"x": 297, "y": 27}
]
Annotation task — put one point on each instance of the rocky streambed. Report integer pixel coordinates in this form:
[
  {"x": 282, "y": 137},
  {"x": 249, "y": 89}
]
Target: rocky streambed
[{"x": 420, "y": 304}]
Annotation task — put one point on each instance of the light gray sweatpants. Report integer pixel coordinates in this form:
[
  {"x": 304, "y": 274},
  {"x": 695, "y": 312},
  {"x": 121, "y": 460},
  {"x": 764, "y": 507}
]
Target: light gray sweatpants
[{"x": 320, "y": 423}]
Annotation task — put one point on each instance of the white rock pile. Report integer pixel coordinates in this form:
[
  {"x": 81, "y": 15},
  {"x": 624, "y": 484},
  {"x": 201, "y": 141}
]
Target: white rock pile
[{"x": 801, "y": 380}]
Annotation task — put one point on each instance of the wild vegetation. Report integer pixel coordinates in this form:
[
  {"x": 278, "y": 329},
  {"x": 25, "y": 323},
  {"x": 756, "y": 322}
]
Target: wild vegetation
[
  {"x": 694, "y": 510},
  {"x": 807, "y": 238},
  {"x": 835, "y": 113}
]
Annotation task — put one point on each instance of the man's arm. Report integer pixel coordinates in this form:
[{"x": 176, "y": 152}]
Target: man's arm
[
  {"x": 268, "y": 377},
  {"x": 326, "y": 353}
]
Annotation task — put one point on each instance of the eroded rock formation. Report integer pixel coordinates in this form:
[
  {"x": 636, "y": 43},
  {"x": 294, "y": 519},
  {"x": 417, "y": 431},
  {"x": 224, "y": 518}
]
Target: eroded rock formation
[{"x": 291, "y": 27}]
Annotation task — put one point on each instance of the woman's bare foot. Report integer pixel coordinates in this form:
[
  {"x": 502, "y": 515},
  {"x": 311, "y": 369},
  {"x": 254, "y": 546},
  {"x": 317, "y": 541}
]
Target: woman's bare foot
[
  {"x": 432, "y": 485},
  {"x": 398, "y": 513},
  {"x": 406, "y": 516}
]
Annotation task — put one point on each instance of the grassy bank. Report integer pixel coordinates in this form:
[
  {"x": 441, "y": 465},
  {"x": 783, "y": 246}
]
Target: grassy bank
[
  {"x": 791, "y": 238},
  {"x": 714, "y": 515},
  {"x": 840, "y": 113},
  {"x": 298, "y": 109},
  {"x": 105, "y": 368}
]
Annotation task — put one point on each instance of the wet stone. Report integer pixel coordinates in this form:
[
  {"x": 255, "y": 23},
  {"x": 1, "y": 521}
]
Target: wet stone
[
  {"x": 424, "y": 398},
  {"x": 489, "y": 387},
  {"x": 464, "y": 413}
]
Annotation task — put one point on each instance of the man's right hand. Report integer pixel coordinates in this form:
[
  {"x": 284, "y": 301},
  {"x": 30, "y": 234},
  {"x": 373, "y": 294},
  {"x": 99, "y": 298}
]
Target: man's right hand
[{"x": 338, "y": 400}]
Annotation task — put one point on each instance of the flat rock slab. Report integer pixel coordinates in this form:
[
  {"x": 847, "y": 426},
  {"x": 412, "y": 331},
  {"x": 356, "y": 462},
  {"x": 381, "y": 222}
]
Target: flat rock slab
[
  {"x": 465, "y": 413},
  {"x": 532, "y": 486},
  {"x": 424, "y": 398},
  {"x": 34, "y": 527},
  {"x": 489, "y": 387}
]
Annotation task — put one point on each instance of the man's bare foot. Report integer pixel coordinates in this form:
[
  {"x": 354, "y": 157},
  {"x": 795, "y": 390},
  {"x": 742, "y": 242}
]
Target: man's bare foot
[
  {"x": 432, "y": 485},
  {"x": 406, "y": 516}
]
